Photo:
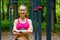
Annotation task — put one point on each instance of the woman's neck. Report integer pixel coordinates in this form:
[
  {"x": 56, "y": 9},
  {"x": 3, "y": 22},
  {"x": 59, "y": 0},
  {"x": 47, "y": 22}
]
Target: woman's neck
[{"x": 22, "y": 18}]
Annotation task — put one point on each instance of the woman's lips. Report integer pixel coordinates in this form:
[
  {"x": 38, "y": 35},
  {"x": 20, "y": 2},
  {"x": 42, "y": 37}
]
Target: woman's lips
[{"x": 22, "y": 13}]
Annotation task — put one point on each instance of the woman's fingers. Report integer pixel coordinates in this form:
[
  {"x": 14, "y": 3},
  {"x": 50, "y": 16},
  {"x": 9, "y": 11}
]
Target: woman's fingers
[{"x": 23, "y": 30}]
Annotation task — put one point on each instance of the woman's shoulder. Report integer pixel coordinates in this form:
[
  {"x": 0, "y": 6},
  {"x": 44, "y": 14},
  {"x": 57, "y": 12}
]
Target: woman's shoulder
[
  {"x": 16, "y": 20},
  {"x": 29, "y": 20}
]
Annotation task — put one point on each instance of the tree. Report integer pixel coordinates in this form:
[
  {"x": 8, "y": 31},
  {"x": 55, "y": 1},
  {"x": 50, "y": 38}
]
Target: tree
[
  {"x": 53, "y": 15},
  {"x": 0, "y": 19},
  {"x": 8, "y": 10},
  {"x": 15, "y": 9},
  {"x": 43, "y": 10},
  {"x": 3, "y": 17}
]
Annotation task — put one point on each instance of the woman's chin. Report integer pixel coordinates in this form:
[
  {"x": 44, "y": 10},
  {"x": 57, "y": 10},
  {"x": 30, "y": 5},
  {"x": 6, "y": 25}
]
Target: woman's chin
[{"x": 22, "y": 16}]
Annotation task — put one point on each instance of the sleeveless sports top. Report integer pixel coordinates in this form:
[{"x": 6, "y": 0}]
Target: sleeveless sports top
[{"x": 22, "y": 25}]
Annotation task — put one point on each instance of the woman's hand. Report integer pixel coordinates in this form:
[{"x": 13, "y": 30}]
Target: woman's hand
[
  {"x": 26, "y": 31},
  {"x": 17, "y": 33},
  {"x": 17, "y": 30}
]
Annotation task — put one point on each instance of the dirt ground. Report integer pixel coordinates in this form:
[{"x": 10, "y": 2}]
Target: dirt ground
[{"x": 6, "y": 36}]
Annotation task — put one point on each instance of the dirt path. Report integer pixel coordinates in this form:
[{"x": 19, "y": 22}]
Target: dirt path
[{"x": 6, "y": 36}]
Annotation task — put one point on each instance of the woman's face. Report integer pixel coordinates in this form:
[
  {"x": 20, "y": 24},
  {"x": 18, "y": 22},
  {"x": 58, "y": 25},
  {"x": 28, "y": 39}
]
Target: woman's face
[{"x": 22, "y": 11}]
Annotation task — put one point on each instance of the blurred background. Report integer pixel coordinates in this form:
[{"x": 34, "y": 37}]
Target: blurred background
[{"x": 5, "y": 15}]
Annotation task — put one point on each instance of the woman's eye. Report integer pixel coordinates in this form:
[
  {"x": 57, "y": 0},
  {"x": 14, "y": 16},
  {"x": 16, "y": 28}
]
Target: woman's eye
[{"x": 22, "y": 10}]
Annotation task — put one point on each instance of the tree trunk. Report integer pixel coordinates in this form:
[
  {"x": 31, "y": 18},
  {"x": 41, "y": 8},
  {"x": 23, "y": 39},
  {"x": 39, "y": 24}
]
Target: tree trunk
[
  {"x": 3, "y": 10},
  {"x": 8, "y": 10},
  {"x": 15, "y": 9},
  {"x": 0, "y": 20},
  {"x": 55, "y": 19},
  {"x": 53, "y": 15}
]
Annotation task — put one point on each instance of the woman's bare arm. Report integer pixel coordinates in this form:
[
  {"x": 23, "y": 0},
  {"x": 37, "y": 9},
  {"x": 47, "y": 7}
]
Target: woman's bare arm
[
  {"x": 15, "y": 31},
  {"x": 30, "y": 29}
]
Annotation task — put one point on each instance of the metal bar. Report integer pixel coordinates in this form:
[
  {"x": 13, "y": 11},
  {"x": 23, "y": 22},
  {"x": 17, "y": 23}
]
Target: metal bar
[
  {"x": 39, "y": 21},
  {"x": 48, "y": 28},
  {"x": 35, "y": 19},
  {"x": 35, "y": 13},
  {"x": 10, "y": 2},
  {"x": 0, "y": 20},
  {"x": 31, "y": 11}
]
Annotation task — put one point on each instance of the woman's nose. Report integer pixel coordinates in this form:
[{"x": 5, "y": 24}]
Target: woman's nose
[{"x": 22, "y": 11}]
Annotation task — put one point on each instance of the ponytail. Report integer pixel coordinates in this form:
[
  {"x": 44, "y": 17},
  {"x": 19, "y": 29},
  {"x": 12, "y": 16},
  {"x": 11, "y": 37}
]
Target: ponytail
[{"x": 26, "y": 16}]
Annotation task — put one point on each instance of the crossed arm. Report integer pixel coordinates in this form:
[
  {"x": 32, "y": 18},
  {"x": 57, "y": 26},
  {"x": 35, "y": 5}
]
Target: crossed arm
[{"x": 28, "y": 31}]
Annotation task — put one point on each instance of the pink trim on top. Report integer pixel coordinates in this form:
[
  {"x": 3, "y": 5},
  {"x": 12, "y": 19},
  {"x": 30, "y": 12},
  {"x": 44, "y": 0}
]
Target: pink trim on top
[{"x": 22, "y": 25}]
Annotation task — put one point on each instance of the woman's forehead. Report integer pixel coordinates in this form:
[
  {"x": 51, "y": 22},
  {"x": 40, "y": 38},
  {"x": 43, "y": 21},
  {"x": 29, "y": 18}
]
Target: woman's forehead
[{"x": 22, "y": 7}]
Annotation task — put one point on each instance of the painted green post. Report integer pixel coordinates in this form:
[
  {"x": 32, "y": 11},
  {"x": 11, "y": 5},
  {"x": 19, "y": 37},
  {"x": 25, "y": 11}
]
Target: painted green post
[
  {"x": 39, "y": 19},
  {"x": 35, "y": 18},
  {"x": 10, "y": 2},
  {"x": 48, "y": 21}
]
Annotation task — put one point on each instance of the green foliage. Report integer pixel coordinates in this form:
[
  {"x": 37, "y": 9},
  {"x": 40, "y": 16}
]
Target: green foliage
[
  {"x": 57, "y": 27},
  {"x": 44, "y": 26},
  {"x": 57, "y": 2},
  {"x": 6, "y": 25},
  {"x": 58, "y": 11}
]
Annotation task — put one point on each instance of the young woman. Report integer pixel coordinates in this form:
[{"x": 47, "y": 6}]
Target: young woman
[{"x": 22, "y": 26}]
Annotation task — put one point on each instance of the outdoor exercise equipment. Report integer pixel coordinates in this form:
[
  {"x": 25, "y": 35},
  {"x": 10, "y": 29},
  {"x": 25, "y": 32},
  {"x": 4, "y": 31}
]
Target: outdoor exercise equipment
[
  {"x": 33, "y": 17},
  {"x": 36, "y": 17},
  {"x": 35, "y": 10},
  {"x": 48, "y": 28},
  {"x": 39, "y": 20},
  {"x": 39, "y": 7},
  {"x": 10, "y": 5}
]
